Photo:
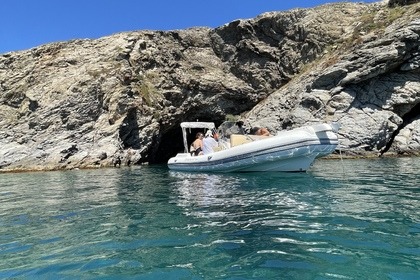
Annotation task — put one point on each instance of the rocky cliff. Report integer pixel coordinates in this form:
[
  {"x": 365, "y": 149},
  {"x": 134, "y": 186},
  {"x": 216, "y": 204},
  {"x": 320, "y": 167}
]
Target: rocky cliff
[{"x": 82, "y": 103}]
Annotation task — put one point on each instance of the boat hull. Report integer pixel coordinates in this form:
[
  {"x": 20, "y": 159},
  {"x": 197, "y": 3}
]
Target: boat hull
[{"x": 289, "y": 151}]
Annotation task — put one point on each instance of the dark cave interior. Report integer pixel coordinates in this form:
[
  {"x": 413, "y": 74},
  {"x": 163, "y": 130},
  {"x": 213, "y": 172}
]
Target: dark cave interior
[{"x": 171, "y": 143}]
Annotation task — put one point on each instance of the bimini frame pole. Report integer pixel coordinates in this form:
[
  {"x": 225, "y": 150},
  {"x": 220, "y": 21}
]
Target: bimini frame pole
[{"x": 185, "y": 125}]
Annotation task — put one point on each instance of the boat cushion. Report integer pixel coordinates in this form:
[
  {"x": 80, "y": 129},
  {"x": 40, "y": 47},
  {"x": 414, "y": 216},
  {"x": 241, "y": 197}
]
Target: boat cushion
[{"x": 239, "y": 139}]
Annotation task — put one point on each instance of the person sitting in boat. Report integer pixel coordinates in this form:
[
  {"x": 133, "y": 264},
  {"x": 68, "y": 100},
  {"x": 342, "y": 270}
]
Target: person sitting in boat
[
  {"x": 210, "y": 142},
  {"x": 262, "y": 131},
  {"x": 197, "y": 145}
]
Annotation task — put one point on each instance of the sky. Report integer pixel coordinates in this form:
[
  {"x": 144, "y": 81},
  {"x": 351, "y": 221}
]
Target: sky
[{"x": 25, "y": 24}]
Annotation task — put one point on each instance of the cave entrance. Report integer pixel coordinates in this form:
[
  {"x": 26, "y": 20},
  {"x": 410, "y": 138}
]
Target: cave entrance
[{"x": 171, "y": 143}]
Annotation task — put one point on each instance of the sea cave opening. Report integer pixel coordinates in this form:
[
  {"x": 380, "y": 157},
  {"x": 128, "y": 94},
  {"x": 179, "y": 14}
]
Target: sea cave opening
[{"x": 171, "y": 142}]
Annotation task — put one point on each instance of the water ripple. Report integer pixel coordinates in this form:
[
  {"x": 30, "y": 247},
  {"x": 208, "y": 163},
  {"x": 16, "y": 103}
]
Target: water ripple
[{"x": 151, "y": 223}]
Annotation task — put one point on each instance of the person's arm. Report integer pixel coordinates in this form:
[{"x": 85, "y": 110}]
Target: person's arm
[{"x": 264, "y": 131}]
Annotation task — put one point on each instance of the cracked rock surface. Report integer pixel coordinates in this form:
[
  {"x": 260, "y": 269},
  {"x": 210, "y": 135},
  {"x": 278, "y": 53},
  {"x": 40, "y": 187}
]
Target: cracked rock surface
[{"x": 86, "y": 103}]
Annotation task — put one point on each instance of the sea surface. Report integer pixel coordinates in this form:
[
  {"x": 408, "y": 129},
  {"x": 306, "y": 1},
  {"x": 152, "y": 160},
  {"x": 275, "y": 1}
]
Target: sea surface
[{"x": 344, "y": 219}]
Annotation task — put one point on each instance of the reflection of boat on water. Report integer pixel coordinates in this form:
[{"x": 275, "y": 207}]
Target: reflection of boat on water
[
  {"x": 238, "y": 197},
  {"x": 202, "y": 190},
  {"x": 293, "y": 150}
]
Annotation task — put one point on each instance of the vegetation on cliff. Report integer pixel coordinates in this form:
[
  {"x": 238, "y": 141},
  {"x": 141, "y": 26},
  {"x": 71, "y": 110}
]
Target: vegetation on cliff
[{"x": 84, "y": 102}]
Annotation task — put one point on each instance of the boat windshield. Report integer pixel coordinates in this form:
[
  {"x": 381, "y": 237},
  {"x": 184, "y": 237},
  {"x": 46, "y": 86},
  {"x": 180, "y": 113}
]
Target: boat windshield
[{"x": 226, "y": 129}]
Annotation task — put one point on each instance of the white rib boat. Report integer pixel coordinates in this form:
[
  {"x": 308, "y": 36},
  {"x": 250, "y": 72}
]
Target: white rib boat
[{"x": 292, "y": 150}]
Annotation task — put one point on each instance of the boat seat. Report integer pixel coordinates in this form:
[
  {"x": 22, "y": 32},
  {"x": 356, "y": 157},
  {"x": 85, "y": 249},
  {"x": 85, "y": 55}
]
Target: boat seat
[
  {"x": 218, "y": 148},
  {"x": 239, "y": 139},
  {"x": 258, "y": 137}
]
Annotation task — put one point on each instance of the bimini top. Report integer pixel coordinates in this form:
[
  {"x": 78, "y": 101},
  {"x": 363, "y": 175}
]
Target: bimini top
[
  {"x": 185, "y": 125},
  {"x": 208, "y": 125}
]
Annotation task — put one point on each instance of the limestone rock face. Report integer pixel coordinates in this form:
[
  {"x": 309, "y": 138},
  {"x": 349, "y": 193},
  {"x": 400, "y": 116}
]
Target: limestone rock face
[
  {"x": 372, "y": 89},
  {"x": 86, "y": 103}
]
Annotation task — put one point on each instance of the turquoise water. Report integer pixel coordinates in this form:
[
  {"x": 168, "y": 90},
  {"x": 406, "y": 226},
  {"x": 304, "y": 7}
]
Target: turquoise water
[{"x": 350, "y": 219}]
